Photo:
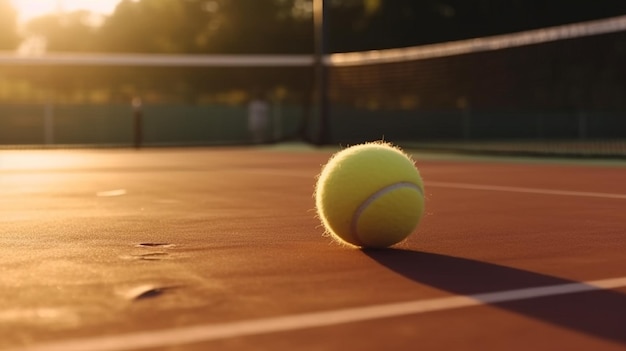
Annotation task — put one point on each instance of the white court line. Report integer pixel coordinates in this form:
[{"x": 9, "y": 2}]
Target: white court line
[
  {"x": 523, "y": 190},
  {"x": 476, "y": 186},
  {"x": 208, "y": 332}
]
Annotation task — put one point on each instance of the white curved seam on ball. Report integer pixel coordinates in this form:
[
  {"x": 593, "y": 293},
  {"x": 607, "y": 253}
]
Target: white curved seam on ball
[{"x": 365, "y": 204}]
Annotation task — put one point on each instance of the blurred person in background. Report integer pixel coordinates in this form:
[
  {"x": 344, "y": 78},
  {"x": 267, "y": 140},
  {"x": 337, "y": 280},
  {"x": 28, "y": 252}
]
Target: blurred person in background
[{"x": 258, "y": 118}]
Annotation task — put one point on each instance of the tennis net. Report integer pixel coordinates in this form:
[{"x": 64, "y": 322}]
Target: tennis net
[{"x": 557, "y": 90}]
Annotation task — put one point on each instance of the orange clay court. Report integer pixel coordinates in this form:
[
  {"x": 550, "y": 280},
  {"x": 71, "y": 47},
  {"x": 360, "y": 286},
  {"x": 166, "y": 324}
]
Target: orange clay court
[{"x": 220, "y": 249}]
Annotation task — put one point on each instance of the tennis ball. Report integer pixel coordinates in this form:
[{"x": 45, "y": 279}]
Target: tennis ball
[{"x": 370, "y": 195}]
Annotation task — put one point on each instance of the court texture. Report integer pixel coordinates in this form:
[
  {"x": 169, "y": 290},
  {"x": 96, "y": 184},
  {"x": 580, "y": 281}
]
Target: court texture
[{"x": 220, "y": 249}]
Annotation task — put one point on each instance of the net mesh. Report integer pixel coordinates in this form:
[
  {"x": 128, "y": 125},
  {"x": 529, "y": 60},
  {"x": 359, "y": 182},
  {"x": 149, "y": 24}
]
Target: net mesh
[{"x": 564, "y": 84}]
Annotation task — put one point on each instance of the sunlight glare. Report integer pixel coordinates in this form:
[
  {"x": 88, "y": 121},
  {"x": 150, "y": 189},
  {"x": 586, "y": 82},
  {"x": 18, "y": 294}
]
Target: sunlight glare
[{"x": 39, "y": 160}]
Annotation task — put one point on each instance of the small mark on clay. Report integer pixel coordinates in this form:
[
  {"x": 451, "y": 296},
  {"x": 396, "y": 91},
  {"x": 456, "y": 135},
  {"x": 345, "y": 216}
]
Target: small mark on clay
[
  {"x": 150, "y": 256},
  {"x": 153, "y": 255},
  {"x": 165, "y": 245},
  {"x": 147, "y": 291},
  {"x": 111, "y": 193}
]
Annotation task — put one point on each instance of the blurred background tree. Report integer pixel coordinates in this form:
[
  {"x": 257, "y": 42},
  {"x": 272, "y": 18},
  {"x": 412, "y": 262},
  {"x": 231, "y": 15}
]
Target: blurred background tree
[
  {"x": 9, "y": 38},
  {"x": 358, "y": 25},
  {"x": 68, "y": 32},
  {"x": 285, "y": 26},
  {"x": 164, "y": 26}
]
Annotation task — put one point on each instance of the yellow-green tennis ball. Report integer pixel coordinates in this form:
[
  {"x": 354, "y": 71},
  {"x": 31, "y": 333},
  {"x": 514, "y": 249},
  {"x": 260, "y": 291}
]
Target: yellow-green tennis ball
[{"x": 370, "y": 195}]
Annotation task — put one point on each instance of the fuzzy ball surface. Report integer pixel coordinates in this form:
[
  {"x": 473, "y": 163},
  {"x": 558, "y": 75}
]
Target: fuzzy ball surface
[{"x": 370, "y": 195}]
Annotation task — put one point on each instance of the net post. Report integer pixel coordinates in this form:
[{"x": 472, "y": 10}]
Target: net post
[
  {"x": 320, "y": 19},
  {"x": 48, "y": 123},
  {"x": 137, "y": 122}
]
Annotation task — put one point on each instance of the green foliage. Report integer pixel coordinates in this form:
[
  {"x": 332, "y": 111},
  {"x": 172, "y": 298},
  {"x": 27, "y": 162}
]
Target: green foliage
[
  {"x": 70, "y": 32},
  {"x": 285, "y": 26},
  {"x": 164, "y": 26},
  {"x": 270, "y": 26},
  {"x": 365, "y": 24},
  {"x": 186, "y": 26}
]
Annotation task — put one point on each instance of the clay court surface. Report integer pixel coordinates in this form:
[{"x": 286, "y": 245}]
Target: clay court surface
[{"x": 220, "y": 249}]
